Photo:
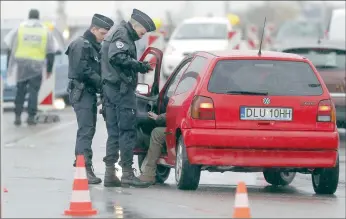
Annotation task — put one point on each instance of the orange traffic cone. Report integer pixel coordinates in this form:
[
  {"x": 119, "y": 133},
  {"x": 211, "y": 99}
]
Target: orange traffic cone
[
  {"x": 241, "y": 206},
  {"x": 80, "y": 204}
]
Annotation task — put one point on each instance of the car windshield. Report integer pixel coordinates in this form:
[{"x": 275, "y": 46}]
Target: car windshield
[
  {"x": 322, "y": 57},
  {"x": 295, "y": 29},
  {"x": 264, "y": 77},
  {"x": 201, "y": 31}
]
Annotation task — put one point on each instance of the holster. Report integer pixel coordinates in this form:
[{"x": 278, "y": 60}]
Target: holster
[
  {"x": 76, "y": 90},
  {"x": 125, "y": 83}
]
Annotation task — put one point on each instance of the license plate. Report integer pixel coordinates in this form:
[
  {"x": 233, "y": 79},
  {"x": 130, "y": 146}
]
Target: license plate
[{"x": 260, "y": 113}]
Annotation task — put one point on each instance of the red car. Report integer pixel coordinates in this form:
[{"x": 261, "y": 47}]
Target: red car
[{"x": 244, "y": 112}]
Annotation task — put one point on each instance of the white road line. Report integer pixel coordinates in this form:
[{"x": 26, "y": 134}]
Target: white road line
[{"x": 47, "y": 131}]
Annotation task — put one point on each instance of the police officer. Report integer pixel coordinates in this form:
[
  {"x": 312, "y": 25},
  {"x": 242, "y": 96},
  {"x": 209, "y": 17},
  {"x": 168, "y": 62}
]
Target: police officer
[
  {"x": 85, "y": 81},
  {"x": 30, "y": 45},
  {"x": 120, "y": 73}
]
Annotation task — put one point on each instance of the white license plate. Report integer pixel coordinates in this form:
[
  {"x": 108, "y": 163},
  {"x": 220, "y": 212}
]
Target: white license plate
[{"x": 260, "y": 113}]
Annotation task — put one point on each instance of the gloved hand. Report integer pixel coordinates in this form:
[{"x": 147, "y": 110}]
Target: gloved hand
[{"x": 145, "y": 67}]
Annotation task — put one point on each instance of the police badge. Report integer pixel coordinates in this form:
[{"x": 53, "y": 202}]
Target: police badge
[{"x": 119, "y": 44}]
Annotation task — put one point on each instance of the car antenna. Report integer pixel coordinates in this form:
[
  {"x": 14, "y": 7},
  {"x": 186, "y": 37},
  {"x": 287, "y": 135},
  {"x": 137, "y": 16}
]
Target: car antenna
[{"x": 260, "y": 47}]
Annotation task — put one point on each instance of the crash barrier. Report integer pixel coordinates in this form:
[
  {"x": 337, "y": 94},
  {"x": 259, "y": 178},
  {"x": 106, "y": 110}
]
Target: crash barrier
[
  {"x": 46, "y": 99},
  {"x": 80, "y": 204},
  {"x": 268, "y": 35},
  {"x": 241, "y": 204},
  {"x": 252, "y": 37},
  {"x": 156, "y": 40},
  {"x": 235, "y": 38}
]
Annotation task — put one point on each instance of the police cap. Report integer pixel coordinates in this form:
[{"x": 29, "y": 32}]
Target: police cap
[
  {"x": 143, "y": 19},
  {"x": 102, "y": 21}
]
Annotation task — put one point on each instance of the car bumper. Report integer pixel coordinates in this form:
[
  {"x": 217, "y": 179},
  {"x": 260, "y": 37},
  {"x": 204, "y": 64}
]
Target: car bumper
[{"x": 249, "y": 148}]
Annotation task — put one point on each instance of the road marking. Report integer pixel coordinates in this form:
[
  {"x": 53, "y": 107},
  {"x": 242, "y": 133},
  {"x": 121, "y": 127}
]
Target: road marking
[
  {"x": 341, "y": 131},
  {"x": 47, "y": 131}
]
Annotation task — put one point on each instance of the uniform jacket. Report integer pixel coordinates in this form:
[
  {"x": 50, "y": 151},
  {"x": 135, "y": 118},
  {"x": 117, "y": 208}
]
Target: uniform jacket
[{"x": 84, "y": 60}]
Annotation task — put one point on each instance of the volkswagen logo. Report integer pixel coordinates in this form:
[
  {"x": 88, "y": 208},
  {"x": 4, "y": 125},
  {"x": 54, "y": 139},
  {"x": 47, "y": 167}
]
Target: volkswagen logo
[{"x": 266, "y": 100}]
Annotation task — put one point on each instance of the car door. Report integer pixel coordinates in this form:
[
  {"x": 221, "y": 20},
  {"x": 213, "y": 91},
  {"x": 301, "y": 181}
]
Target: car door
[
  {"x": 146, "y": 103},
  {"x": 166, "y": 93}
]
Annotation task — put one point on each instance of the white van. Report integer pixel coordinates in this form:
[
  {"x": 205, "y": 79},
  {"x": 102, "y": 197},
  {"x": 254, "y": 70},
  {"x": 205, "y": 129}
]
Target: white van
[
  {"x": 337, "y": 25},
  {"x": 195, "y": 34}
]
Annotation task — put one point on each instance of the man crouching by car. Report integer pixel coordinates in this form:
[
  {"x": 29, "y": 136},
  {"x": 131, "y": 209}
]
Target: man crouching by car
[{"x": 157, "y": 139}]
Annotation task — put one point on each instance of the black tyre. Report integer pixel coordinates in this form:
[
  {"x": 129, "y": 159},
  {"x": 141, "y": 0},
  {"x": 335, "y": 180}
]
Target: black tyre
[
  {"x": 326, "y": 180},
  {"x": 187, "y": 176},
  {"x": 278, "y": 178},
  {"x": 162, "y": 173}
]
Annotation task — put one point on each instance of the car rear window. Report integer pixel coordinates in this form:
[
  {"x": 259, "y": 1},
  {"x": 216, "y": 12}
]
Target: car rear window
[
  {"x": 278, "y": 78},
  {"x": 322, "y": 57}
]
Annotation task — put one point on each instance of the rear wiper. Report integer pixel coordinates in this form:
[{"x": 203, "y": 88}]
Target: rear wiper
[
  {"x": 325, "y": 66},
  {"x": 248, "y": 92},
  {"x": 314, "y": 85}
]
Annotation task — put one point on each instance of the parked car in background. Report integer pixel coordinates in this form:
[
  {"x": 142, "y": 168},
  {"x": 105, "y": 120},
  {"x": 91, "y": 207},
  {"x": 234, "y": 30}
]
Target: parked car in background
[
  {"x": 195, "y": 34},
  {"x": 329, "y": 58},
  {"x": 61, "y": 69},
  {"x": 336, "y": 28},
  {"x": 293, "y": 31}
]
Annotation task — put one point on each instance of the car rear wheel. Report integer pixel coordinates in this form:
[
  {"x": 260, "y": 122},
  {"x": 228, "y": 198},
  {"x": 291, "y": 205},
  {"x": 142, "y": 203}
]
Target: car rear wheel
[
  {"x": 278, "y": 178},
  {"x": 187, "y": 176},
  {"x": 162, "y": 172},
  {"x": 326, "y": 180}
]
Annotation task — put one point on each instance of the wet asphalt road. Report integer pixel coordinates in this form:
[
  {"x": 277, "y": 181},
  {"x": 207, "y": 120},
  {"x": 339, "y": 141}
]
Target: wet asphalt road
[{"x": 37, "y": 171}]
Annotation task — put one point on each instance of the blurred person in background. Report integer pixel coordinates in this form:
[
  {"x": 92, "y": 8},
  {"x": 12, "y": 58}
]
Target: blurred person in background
[
  {"x": 85, "y": 82},
  {"x": 120, "y": 69},
  {"x": 30, "y": 46}
]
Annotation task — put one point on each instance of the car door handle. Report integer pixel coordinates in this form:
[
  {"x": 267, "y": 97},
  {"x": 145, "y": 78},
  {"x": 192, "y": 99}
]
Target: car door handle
[{"x": 168, "y": 133}]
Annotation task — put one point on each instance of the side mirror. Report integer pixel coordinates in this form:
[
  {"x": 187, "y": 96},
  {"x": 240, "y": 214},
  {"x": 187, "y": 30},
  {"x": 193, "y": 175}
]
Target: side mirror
[
  {"x": 143, "y": 89},
  {"x": 231, "y": 34}
]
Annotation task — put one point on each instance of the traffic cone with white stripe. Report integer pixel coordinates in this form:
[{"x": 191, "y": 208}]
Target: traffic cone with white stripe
[
  {"x": 241, "y": 206},
  {"x": 80, "y": 204}
]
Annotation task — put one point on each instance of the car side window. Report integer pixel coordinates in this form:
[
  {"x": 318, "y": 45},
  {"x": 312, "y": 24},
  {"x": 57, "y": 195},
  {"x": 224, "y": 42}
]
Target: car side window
[
  {"x": 189, "y": 79},
  {"x": 171, "y": 88}
]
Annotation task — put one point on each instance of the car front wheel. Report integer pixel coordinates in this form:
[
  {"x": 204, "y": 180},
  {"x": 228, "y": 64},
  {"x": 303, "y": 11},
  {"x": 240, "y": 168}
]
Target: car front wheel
[
  {"x": 278, "y": 178},
  {"x": 187, "y": 176},
  {"x": 326, "y": 180}
]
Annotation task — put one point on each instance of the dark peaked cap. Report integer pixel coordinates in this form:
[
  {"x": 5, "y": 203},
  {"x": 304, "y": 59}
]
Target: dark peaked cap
[
  {"x": 102, "y": 21},
  {"x": 143, "y": 19}
]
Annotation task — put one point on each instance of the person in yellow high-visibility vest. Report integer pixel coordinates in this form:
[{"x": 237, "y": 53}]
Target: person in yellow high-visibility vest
[{"x": 31, "y": 46}]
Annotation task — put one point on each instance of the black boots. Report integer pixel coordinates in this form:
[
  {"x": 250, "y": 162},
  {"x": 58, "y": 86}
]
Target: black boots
[
  {"x": 111, "y": 179},
  {"x": 92, "y": 179},
  {"x": 31, "y": 120},
  {"x": 129, "y": 179},
  {"x": 17, "y": 121}
]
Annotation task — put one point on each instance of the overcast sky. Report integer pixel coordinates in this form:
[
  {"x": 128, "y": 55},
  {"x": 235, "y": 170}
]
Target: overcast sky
[{"x": 10, "y": 9}]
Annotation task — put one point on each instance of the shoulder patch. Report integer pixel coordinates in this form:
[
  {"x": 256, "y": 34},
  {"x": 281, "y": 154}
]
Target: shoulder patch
[{"x": 119, "y": 44}]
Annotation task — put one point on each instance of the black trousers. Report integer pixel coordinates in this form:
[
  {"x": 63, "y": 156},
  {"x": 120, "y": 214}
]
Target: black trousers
[
  {"x": 31, "y": 86},
  {"x": 120, "y": 117},
  {"x": 86, "y": 113}
]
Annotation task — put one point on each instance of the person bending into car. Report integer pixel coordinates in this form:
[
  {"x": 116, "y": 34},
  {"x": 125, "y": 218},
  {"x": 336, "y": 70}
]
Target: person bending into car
[{"x": 157, "y": 139}]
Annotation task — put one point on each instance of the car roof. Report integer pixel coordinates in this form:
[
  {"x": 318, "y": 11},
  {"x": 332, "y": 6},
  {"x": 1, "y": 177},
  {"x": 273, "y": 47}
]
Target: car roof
[
  {"x": 324, "y": 44},
  {"x": 195, "y": 20},
  {"x": 252, "y": 54}
]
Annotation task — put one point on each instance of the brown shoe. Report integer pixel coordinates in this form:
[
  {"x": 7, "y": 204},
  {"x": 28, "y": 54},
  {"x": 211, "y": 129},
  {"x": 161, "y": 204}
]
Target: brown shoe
[{"x": 149, "y": 179}]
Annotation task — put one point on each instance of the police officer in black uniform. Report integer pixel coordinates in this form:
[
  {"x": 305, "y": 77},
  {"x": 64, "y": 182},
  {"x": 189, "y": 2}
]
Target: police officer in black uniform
[
  {"x": 120, "y": 75},
  {"x": 85, "y": 81}
]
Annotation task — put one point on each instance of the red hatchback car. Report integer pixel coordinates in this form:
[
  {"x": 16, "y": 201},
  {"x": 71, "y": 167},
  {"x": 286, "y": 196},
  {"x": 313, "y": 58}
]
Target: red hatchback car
[{"x": 244, "y": 112}]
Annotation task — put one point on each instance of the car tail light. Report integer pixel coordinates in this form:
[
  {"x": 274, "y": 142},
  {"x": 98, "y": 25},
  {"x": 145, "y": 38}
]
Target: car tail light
[
  {"x": 326, "y": 111},
  {"x": 202, "y": 108}
]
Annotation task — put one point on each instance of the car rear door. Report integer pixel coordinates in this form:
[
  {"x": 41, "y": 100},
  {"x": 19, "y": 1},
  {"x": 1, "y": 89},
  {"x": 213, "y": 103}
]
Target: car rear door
[{"x": 265, "y": 95}]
